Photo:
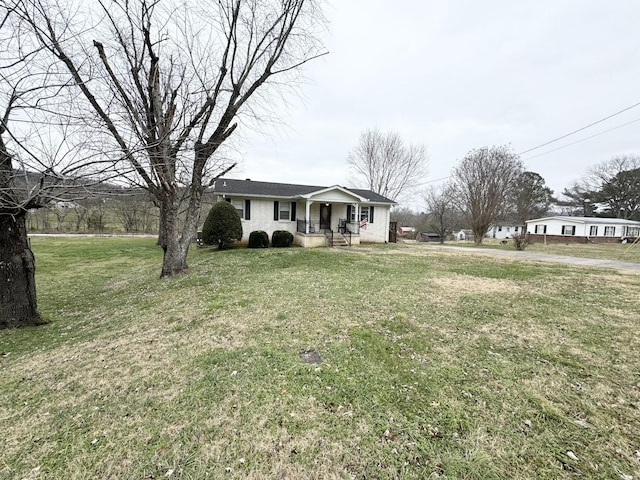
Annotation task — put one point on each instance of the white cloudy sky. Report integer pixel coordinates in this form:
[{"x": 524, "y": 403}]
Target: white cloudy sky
[{"x": 456, "y": 75}]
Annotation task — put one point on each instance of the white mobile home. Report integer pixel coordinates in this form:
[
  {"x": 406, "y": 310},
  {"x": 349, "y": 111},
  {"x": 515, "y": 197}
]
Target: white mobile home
[{"x": 582, "y": 229}]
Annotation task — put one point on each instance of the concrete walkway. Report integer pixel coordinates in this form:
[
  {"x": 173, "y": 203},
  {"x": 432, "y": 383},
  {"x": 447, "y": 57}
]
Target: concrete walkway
[{"x": 543, "y": 257}]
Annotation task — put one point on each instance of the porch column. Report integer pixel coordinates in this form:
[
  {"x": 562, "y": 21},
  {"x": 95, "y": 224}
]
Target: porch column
[
  {"x": 358, "y": 216},
  {"x": 308, "y": 217}
]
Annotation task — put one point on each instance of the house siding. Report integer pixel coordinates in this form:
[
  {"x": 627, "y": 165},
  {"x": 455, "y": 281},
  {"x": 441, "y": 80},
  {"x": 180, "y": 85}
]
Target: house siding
[
  {"x": 262, "y": 218},
  {"x": 504, "y": 231},
  {"x": 558, "y": 230},
  {"x": 264, "y": 204}
]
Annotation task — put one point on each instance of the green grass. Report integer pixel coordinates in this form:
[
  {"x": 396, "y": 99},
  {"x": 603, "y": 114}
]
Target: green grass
[
  {"x": 605, "y": 251},
  {"x": 435, "y": 365}
]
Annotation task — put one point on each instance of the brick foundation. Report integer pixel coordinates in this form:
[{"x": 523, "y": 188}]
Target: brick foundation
[{"x": 537, "y": 238}]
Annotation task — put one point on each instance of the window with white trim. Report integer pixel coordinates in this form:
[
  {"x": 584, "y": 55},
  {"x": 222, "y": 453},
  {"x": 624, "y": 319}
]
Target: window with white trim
[
  {"x": 568, "y": 230},
  {"x": 541, "y": 229},
  {"x": 284, "y": 211},
  {"x": 609, "y": 231},
  {"x": 239, "y": 206},
  {"x": 593, "y": 231},
  {"x": 364, "y": 214}
]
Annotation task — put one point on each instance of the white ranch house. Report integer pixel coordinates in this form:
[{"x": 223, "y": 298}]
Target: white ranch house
[
  {"x": 316, "y": 216},
  {"x": 507, "y": 230},
  {"x": 582, "y": 229}
]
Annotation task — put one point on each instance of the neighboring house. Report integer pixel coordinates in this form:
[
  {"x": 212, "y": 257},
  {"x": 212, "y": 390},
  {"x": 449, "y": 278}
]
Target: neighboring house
[
  {"x": 582, "y": 229},
  {"x": 316, "y": 216},
  {"x": 428, "y": 237},
  {"x": 464, "y": 235},
  {"x": 406, "y": 231},
  {"x": 506, "y": 230}
]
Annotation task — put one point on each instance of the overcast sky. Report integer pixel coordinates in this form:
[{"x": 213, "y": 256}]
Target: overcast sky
[{"x": 458, "y": 75}]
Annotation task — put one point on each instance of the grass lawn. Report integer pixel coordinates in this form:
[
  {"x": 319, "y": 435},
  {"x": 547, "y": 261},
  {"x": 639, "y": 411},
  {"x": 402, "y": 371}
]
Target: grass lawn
[
  {"x": 606, "y": 251},
  {"x": 434, "y": 365}
]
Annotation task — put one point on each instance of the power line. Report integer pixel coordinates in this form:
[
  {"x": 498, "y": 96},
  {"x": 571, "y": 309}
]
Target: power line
[
  {"x": 580, "y": 129},
  {"x": 564, "y": 136},
  {"x": 586, "y": 138}
]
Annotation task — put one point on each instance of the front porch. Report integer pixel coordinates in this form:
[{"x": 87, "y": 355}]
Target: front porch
[{"x": 318, "y": 233}]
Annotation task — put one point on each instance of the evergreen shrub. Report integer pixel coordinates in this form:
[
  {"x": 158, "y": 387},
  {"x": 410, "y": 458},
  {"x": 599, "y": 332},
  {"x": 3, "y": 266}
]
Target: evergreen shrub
[
  {"x": 258, "y": 239},
  {"x": 222, "y": 226},
  {"x": 281, "y": 238}
]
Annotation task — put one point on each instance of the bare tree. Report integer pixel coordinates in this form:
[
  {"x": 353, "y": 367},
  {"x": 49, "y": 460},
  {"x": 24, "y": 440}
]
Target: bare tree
[
  {"x": 441, "y": 208},
  {"x": 133, "y": 211},
  {"x": 383, "y": 163},
  {"x": 404, "y": 216},
  {"x": 603, "y": 172},
  {"x": 35, "y": 160},
  {"x": 614, "y": 184},
  {"x": 482, "y": 181},
  {"x": 167, "y": 84}
]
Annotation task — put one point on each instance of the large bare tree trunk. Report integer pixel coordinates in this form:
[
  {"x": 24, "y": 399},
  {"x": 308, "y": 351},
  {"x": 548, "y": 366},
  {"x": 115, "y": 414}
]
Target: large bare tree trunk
[
  {"x": 175, "y": 256},
  {"x": 175, "y": 241},
  {"x": 18, "y": 306}
]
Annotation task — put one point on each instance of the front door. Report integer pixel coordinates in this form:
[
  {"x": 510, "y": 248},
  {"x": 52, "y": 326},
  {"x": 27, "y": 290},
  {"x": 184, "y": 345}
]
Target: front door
[{"x": 325, "y": 216}]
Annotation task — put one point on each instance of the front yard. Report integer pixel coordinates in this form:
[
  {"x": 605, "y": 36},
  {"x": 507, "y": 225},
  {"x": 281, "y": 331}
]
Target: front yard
[{"x": 434, "y": 365}]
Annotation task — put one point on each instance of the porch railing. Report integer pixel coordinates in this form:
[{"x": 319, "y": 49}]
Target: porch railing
[
  {"x": 314, "y": 227},
  {"x": 329, "y": 235},
  {"x": 344, "y": 227}
]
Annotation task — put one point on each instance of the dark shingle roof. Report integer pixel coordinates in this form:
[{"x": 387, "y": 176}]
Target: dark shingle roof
[{"x": 282, "y": 190}]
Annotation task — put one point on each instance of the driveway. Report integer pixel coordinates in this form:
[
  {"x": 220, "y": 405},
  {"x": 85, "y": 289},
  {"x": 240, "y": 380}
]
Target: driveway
[{"x": 543, "y": 257}]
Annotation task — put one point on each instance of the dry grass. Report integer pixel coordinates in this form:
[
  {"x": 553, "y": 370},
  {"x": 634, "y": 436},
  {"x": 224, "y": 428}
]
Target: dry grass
[
  {"x": 605, "y": 251},
  {"x": 435, "y": 365}
]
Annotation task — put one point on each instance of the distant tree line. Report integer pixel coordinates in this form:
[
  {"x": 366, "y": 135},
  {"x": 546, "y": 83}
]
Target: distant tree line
[
  {"x": 609, "y": 189},
  {"x": 490, "y": 186},
  {"x": 116, "y": 211}
]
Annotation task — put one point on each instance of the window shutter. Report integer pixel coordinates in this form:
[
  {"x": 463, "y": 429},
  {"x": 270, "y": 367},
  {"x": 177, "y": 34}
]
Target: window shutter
[
  {"x": 349, "y": 207},
  {"x": 371, "y": 214},
  {"x": 247, "y": 209},
  {"x": 276, "y": 209},
  {"x": 293, "y": 211}
]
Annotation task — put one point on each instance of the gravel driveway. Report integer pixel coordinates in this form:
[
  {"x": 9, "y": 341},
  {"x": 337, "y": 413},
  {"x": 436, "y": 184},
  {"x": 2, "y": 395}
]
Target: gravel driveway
[{"x": 544, "y": 257}]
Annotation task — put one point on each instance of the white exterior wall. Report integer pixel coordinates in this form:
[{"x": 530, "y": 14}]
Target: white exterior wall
[
  {"x": 554, "y": 227},
  {"x": 378, "y": 231},
  {"x": 504, "y": 231},
  {"x": 583, "y": 229},
  {"x": 262, "y": 219}
]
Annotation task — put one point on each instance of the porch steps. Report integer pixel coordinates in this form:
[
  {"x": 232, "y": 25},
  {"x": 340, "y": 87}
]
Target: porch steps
[{"x": 340, "y": 241}]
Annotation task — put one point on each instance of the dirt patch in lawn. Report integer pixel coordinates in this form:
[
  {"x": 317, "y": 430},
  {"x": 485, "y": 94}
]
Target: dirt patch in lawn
[{"x": 467, "y": 284}]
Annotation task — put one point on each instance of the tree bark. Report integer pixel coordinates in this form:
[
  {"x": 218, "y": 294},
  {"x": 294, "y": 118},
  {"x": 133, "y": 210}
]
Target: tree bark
[
  {"x": 18, "y": 305},
  {"x": 175, "y": 255}
]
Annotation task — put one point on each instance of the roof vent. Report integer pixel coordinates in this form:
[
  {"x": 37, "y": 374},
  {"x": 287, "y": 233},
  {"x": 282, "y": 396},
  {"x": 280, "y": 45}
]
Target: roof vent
[{"x": 248, "y": 179}]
